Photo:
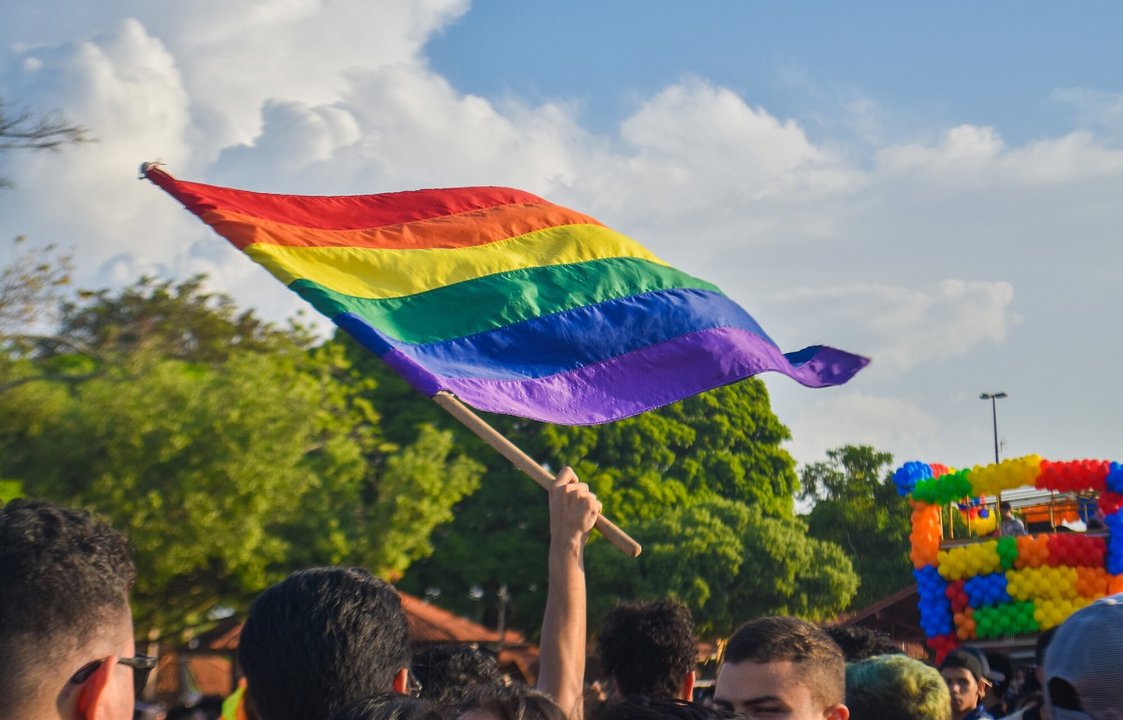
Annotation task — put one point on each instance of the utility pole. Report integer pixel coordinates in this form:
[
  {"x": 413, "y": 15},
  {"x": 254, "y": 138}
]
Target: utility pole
[{"x": 994, "y": 398}]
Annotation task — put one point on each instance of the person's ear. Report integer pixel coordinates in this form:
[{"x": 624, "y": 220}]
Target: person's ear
[
  {"x": 837, "y": 712},
  {"x": 687, "y": 692},
  {"x": 401, "y": 682},
  {"x": 100, "y": 698}
]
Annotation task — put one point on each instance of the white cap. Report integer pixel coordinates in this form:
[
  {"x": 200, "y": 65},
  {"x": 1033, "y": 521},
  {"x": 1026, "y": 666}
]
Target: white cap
[{"x": 1087, "y": 653}]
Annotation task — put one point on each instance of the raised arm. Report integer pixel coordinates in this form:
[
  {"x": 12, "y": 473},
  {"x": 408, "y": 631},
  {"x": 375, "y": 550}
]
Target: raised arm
[{"x": 573, "y": 511}]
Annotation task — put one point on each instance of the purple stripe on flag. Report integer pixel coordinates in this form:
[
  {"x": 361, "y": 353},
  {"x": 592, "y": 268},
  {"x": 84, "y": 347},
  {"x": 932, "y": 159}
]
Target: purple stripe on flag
[{"x": 630, "y": 384}]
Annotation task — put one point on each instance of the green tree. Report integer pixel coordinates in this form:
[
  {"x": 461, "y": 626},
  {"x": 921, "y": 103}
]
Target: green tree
[
  {"x": 194, "y": 463},
  {"x": 856, "y": 506},
  {"x": 176, "y": 320},
  {"x": 721, "y": 445},
  {"x": 729, "y": 563},
  {"x": 724, "y": 443},
  {"x": 229, "y": 452},
  {"x": 10, "y": 490},
  {"x": 30, "y": 283}
]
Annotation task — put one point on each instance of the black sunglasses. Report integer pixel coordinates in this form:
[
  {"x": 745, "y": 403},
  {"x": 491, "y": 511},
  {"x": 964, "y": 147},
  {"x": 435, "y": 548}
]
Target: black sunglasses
[{"x": 142, "y": 666}]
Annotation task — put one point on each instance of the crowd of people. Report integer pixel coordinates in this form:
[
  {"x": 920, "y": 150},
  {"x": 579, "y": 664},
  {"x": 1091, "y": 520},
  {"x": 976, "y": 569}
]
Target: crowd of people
[{"x": 331, "y": 643}]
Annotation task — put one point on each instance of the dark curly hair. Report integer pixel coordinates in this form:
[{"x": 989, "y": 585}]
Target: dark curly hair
[
  {"x": 648, "y": 647},
  {"x": 516, "y": 702},
  {"x": 448, "y": 674},
  {"x": 642, "y": 707},
  {"x": 63, "y": 574},
  {"x": 391, "y": 706}
]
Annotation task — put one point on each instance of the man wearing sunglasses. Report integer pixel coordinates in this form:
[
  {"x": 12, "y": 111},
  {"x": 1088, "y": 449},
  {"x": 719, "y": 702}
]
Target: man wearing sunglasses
[{"x": 66, "y": 634}]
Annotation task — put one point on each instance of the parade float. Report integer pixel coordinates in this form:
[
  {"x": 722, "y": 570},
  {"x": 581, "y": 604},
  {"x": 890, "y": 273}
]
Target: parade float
[{"x": 975, "y": 585}]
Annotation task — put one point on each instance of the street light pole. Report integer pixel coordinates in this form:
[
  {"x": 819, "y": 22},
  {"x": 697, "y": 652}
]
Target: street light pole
[{"x": 994, "y": 398}]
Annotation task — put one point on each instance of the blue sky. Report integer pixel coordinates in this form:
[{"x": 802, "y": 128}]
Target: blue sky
[
  {"x": 936, "y": 185},
  {"x": 928, "y": 64}
]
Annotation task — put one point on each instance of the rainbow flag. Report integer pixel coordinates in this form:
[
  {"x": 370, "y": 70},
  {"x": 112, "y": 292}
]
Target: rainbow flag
[{"x": 509, "y": 302}]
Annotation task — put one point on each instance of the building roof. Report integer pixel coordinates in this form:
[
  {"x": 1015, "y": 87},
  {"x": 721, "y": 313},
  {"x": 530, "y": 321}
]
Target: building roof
[
  {"x": 897, "y": 615},
  {"x": 428, "y": 624},
  {"x": 431, "y": 624}
]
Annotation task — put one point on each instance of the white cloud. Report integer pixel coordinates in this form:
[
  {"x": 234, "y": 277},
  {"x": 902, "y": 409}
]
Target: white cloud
[
  {"x": 833, "y": 420},
  {"x": 1094, "y": 108},
  {"x": 294, "y": 136},
  {"x": 697, "y": 148},
  {"x": 904, "y": 326},
  {"x": 125, "y": 87},
  {"x": 238, "y": 55},
  {"x": 401, "y": 127},
  {"x": 965, "y": 148}
]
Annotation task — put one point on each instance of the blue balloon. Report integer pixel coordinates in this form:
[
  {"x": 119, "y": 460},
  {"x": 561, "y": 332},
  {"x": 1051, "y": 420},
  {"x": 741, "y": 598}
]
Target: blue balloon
[
  {"x": 906, "y": 476},
  {"x": 935, "y": 608},
  {"x": 984, "y": 590},
  {"x": 1115, "y": 478},
  {"x": 1113, "y": 562}
]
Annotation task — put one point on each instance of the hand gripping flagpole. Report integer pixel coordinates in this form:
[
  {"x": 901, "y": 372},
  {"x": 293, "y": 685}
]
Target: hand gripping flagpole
[{"x": 524, "y": 462}]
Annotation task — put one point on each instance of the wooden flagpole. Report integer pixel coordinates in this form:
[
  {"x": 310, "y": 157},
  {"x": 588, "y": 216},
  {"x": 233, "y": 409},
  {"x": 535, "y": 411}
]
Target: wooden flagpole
[{"x": 524, "y": 462}]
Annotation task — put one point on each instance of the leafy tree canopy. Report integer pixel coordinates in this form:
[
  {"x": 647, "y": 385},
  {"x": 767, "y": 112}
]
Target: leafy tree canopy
[
  {"x": 179, "y": 321},
  {"x": 229, "y": 453},
  {"x": 729, "y": 563},
  {"x": 30, "y": 283},
  {"x": 857, "y": 507}
]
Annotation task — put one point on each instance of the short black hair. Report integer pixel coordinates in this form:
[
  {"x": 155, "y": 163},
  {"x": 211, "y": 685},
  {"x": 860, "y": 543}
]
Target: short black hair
[
  {"x": 964, "y": 659},
  {"x": 321, "y": 640},
  {"x": 392, "y": 706},
  {"x": 781, "y": 638},
  {"x": 648, "y": 647},
  {"x": 516, "y": 702},
  {"x": 643, "y": 707},
  {"x": 861, "y": 643},
  {"x": 63, "y": 573},
  {"x": 449, "y": 673}
]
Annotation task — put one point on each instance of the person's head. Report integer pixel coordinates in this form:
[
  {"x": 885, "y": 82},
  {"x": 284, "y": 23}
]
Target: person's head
[
  {"x": 510, "y": 703},
  {"x": 966, "y": 680},
  {"x": 449, "y": 673},
  {"x": 896, "y": 687},
  {"x": 1084, "y": 664},
  {"x": 648, "y": 648},
  {"x": 393, "y": 706},
  {"x": 860, "y": 643},
  {"x": 1006, "y": 511},
  {"x": 782, "y": 667},
  {"x": 321, "y": 640},
  {"x": 64, "y": 615}
]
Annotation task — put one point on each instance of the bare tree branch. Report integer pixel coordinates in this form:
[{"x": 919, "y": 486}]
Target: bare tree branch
[{"x": 26, "y": 131}]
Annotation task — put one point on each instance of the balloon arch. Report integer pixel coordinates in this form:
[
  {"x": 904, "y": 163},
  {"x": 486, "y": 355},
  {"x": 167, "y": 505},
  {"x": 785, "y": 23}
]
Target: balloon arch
[{"x": 980, "y": 586}]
